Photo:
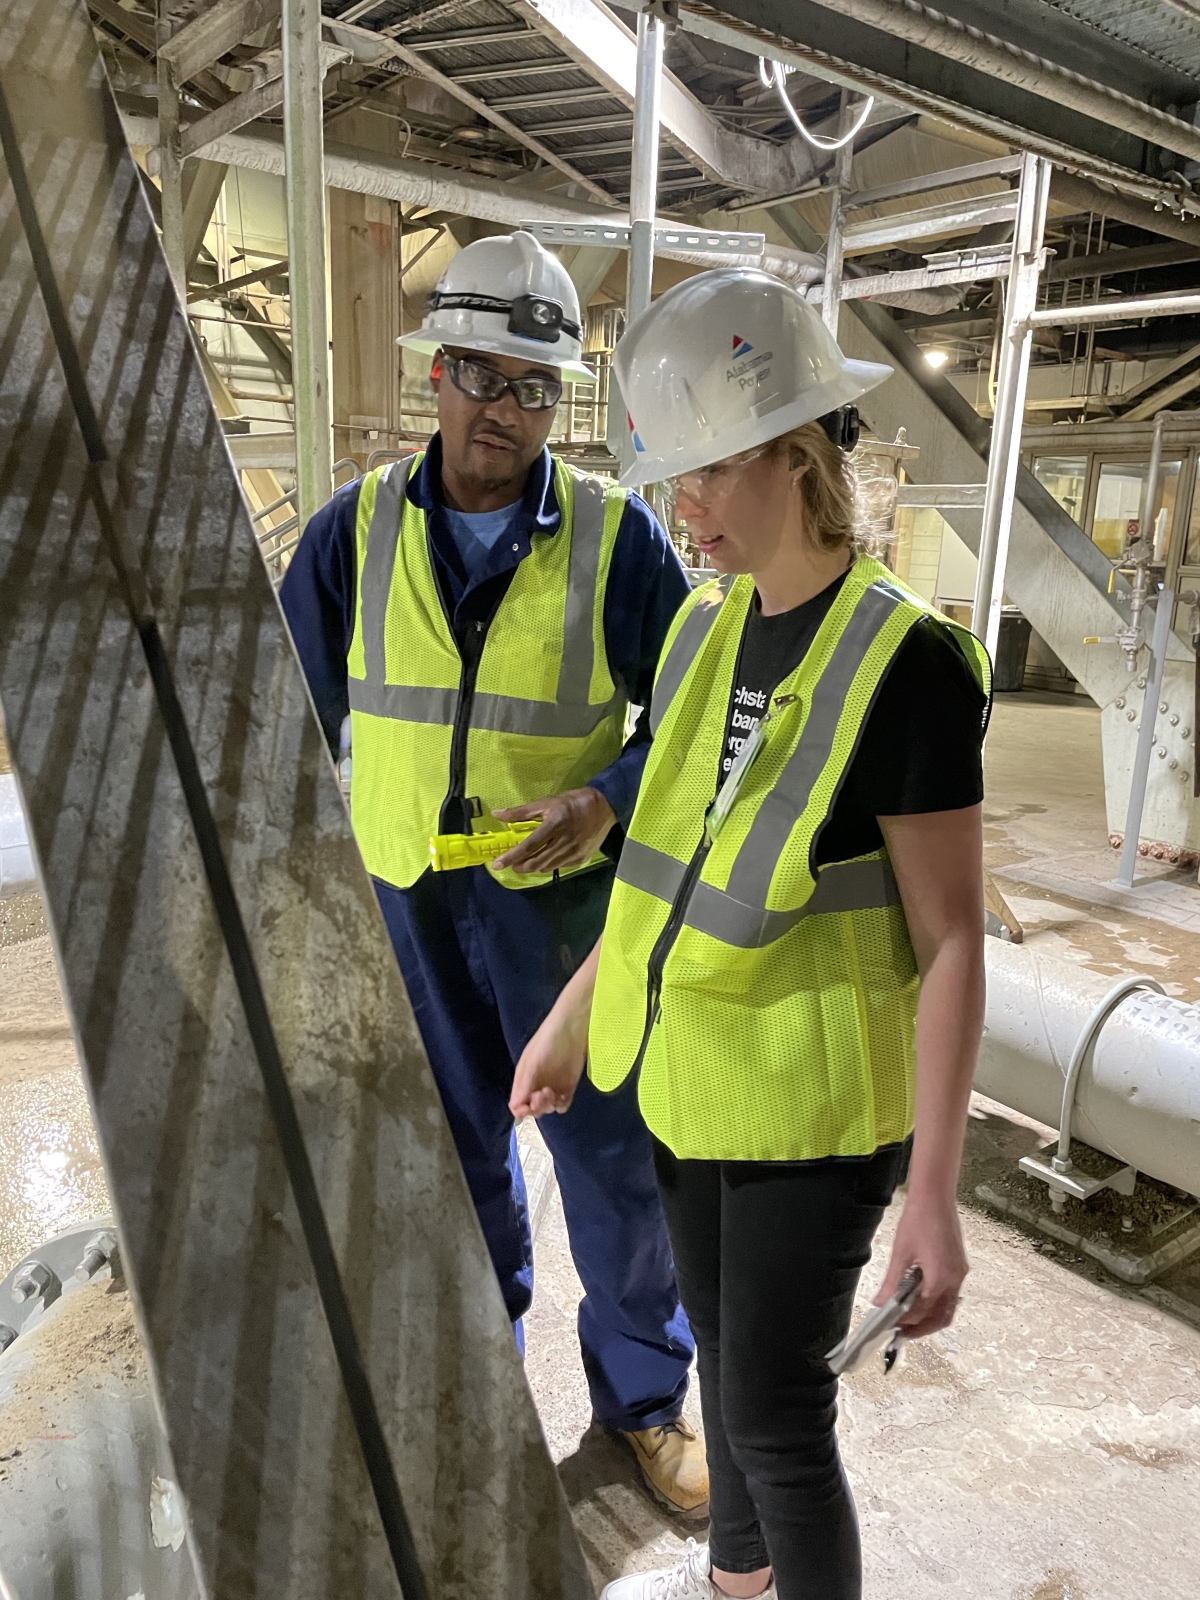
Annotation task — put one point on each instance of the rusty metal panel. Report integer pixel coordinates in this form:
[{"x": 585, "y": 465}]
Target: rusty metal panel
[{"x": 326, "y": 1339}]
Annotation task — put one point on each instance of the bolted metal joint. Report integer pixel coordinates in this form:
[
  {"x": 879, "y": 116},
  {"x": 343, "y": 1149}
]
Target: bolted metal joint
[
  {"x": 99, "y": 1252},
  {"x": 7, "y": 1335},
  {"x": 36, "y": 1281}
]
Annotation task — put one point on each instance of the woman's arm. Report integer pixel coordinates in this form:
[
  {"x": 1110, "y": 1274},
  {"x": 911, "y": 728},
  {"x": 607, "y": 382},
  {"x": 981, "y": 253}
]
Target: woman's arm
[
  {"x": 552, "y": 1063},
  {"x": 938, "y": 861}
]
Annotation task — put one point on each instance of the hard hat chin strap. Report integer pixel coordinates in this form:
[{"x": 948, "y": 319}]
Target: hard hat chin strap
[{"x": 532, "y": 316}]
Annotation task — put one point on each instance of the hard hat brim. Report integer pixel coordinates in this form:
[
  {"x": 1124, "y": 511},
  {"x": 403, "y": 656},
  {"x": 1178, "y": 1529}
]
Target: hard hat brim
[
  {"x": 501, "y": 345},
  {"x": 854, "y": 379}
]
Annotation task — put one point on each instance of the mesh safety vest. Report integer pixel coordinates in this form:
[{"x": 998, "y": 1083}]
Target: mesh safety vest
[
  {"x": 535, "y": 713},
  {"x": 768, "y": 1004}
]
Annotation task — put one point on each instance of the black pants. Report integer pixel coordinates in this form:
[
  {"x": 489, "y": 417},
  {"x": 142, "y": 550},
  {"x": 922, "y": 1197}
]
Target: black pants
[{"x": 768, "y": 1258}]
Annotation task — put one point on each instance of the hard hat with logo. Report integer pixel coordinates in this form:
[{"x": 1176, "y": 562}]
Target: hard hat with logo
[
  {"x": 506, "y": 296},
  {"x": 725, "y": 361}
]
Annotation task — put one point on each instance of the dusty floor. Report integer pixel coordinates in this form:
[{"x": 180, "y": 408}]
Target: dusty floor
[{"x": 1046, "y": 1448}]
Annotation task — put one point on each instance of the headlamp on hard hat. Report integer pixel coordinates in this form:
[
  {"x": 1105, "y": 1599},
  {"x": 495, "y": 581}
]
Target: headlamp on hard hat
[{"x": 531, "y": 316}]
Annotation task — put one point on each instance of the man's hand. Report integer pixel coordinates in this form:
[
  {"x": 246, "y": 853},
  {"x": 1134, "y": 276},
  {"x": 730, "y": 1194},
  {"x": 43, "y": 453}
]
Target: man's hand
[{"x": 573, "y": 827}]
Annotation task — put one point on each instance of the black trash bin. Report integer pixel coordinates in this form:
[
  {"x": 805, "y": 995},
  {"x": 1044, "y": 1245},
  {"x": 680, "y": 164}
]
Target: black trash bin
[{"x": 1013, "y": 648}]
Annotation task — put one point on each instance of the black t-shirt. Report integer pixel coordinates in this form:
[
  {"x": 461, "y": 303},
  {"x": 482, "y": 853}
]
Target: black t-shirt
[{"x": 921, "y": 747}]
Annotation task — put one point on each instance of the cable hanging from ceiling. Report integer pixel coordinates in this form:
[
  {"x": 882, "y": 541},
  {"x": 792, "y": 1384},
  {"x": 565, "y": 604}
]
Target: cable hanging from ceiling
[{"x": 774, "y": 75}]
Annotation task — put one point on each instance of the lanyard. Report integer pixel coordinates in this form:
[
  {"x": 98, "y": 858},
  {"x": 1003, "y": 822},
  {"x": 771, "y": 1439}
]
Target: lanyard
[{"x": 718, "y": 813}]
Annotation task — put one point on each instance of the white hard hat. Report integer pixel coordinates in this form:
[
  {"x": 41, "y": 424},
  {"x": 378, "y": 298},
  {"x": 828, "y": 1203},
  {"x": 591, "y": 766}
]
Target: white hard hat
[
  {"x": 506, "y": 296},
  {"x": 725, "y": 361}
]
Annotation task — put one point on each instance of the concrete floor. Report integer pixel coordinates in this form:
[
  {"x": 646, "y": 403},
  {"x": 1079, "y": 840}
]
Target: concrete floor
[{"x": 1045, "y": 1448}]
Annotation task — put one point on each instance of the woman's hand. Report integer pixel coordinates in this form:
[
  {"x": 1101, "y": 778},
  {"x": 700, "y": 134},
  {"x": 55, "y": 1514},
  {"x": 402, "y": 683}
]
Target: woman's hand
[
  {"x": 928, "y": 1236},
  {"x": 938, "y": 861},
  {"x": 552, "y": 1063}
]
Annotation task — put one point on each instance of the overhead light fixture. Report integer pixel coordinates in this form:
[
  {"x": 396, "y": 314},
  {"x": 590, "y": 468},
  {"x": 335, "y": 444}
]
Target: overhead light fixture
[{"x": 937, "y": 358}]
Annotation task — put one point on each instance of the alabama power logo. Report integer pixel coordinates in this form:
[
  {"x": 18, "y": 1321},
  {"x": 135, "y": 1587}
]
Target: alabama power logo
[{"x": 748, "y": 370}]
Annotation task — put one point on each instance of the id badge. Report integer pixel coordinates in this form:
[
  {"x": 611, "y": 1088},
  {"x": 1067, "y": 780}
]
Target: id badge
[{"x": 727, "y": 794}]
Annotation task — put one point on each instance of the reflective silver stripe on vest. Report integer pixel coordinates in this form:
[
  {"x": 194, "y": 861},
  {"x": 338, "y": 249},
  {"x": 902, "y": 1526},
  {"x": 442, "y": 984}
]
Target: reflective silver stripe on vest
[
  {"x": 684, "y": 649},
  {"x": 383, "y": 536},
  {"x": 568, "y": 717},
  {"x": 842, "y": 886},
  {"x": 579, "y": 645},
  {"x": 759, "y": 853},
  {"x": 497, "y": 713}
]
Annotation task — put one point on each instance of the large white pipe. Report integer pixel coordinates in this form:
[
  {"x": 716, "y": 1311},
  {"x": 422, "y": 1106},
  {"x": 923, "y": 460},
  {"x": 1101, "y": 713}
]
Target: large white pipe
[
  {"x": 17, "y": 875},
  {"x": 1138, "y": 1097}
]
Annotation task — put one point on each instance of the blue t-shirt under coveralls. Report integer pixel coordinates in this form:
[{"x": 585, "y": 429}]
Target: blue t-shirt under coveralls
[{"x": 483, "y": 964}]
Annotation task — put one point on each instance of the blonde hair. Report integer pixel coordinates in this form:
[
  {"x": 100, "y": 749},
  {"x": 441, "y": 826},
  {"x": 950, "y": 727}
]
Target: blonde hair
[
  {"x": 826, "y": 485},
  {"x": 846, "y": 506}
]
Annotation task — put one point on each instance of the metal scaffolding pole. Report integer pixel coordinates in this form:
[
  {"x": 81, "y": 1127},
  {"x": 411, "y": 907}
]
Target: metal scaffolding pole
[
  {"x": 643, "y": 189},
  {"x": 170, "y": 159},
  {"x": 831, "y": 303},
  {"x": 1164, "y": 305},
  {"x": 304, "y": 150},
  {"x": 1004, "y": 456}
]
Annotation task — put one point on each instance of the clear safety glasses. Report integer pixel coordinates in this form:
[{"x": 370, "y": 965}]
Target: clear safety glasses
[
  {"x": 480, "y": 382},
  {"x": 706, "y": 485}
]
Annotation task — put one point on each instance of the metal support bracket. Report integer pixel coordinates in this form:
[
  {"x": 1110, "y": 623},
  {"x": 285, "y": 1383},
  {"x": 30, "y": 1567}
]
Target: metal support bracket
[
  {"x": 618, "y": 236},
  {"x": 1059, "y": 1173},
  {"x": 1076, "y": 1184}
]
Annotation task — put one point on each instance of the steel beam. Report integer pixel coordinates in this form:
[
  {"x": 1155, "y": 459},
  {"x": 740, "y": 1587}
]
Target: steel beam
[
  {"x": 1134, "y": 310},
  {"x": 491, "y": 111},
  {"x": 1004, "y": 452},
  {"x": 607, "y": 49},
  {"x": 643, "y": 191},
  {"x": 212, "y": 34},
  {"x": 234, "y": 114},
  {"x": 928, "y": 182},
  {"x": 303, "y": 134},
  {"x": 202, "y": 190},
  {"x": 329, "y": 1350},
  {"x": 170, "y": 162},
  {"x": 810, "y": 37},
  {"x": 835, "y": 238},
  {"x": 930, "y": 222}
]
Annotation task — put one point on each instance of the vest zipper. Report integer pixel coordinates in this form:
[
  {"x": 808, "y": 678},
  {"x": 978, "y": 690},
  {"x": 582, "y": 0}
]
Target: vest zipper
[{"x": 665, "y": 942}]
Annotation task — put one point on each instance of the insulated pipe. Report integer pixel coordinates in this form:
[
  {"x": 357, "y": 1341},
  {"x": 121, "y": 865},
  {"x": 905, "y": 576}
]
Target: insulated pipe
[
  {"x": 1000, "y": 59},
  {"x": 1138, "y": 1095},
  {"x": 17, "y": 875}
]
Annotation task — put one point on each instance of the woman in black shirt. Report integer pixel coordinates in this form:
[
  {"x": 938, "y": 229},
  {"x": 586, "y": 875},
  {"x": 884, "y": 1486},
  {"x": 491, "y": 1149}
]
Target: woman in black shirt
[{"x": 772, "y": 916}]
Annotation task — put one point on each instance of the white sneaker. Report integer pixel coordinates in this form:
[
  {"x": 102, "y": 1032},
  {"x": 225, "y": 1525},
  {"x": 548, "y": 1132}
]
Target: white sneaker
[{"x": 688, "y": 1580}]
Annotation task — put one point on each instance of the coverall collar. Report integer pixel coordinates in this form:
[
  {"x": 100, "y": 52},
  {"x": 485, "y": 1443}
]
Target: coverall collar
[{"x": 539, "y": 505}]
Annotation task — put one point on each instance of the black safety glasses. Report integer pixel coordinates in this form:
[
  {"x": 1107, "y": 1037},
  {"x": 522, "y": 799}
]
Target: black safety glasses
[{"x": 480, "y": 382}]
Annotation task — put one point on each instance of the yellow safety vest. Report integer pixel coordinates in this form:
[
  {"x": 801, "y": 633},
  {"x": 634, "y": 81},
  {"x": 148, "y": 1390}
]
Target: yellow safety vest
[
  {"x": 545, "y": 714},
  {"x": 767, "y": 1003}
]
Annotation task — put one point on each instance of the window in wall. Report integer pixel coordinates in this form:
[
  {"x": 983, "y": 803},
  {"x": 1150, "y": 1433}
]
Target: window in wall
[
  {"x": 1119, "y": 502},
  {"x": 1064, "y": 477}
]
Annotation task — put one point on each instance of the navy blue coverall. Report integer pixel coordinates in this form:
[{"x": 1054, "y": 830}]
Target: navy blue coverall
[{"x": 483, "y": 964}]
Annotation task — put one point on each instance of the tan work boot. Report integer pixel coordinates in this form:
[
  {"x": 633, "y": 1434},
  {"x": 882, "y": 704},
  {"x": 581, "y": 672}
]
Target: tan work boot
[{"x": 673, "y": 1465}]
